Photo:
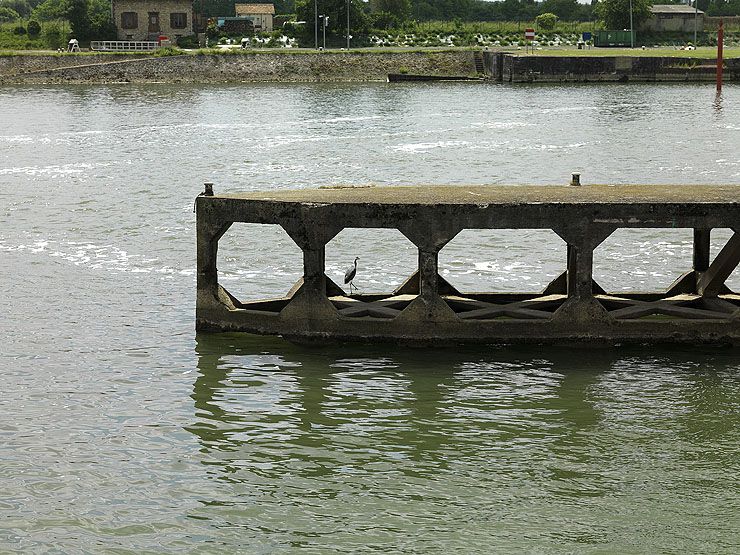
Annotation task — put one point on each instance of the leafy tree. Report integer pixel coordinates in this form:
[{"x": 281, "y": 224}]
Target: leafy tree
[
  {"x": 102, "y": 26},
  {"x": 383, "y": 20},
  {"x": 443, "y": 9},
  {"x": 400, "y": 9},
  {"x": 79, "y": 19},
  {"x": 8, "y": 14},
  {"x": 703, "y": 4},
  {"x": 53, "y": 35},
  {"x": 616, "y": 13},
  {"x": 50, "y": 10},
  {"x": 34, "y": 28},
  {"x": 568, "y": 10},
  {"x": 21, "y": 6},
  {"x": 337, "y": 12},
  {"x": 546, "y": 21}
]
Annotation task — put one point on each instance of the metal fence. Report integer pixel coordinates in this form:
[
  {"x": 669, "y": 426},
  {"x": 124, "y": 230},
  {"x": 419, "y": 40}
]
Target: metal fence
[{"x": 123, "y": 46}]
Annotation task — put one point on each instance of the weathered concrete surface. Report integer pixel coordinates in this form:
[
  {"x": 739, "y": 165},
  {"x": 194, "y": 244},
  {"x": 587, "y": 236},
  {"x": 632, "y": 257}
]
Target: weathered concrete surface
[
  {"x": 236, "y": 68},
  {"x": 426, "y": 309},
  {"x": 475, "y": 195},
  {"x": 526, "y": 69}
]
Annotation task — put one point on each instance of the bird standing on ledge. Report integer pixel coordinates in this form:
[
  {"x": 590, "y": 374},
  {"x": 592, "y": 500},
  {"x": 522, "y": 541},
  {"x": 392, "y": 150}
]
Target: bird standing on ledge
[{"x": 350, "y": 274}]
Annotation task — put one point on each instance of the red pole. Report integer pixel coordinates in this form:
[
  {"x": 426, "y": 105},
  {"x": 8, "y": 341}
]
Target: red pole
[{"x": 720, "y": 40}]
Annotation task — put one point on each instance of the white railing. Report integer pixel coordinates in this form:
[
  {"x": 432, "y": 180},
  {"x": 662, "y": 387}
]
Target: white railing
[{"x": 123, "y": 45}]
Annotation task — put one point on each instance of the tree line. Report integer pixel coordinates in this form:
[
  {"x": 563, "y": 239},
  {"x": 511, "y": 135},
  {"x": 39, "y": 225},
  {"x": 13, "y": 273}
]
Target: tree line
[
  {"x": 91, "y": 18},
  {"x": 465, "y": 10}
]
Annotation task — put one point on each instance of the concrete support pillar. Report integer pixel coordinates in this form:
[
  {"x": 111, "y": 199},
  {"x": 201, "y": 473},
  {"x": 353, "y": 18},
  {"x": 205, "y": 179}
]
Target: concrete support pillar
[
  {"x": 701, "y": 249},
  {"x": 580, "y": 270},
  {"x": 428, "y": 273},
  {"x": 582, "y": 241},
  {"x": 314, "y": 261},
  {"x": 711, "y": 282},
  {"x": 209, "y": 233},
  {"x": 311, "y": 233},
  {"x": 309, "y": 303},
  {"x": 429, "y": 237},
  {"x": 581, "y": 309}
]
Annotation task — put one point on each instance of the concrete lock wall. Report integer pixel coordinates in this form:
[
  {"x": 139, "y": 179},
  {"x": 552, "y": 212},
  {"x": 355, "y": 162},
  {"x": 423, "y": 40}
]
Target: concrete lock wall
[{"x": 540, "y": 68}]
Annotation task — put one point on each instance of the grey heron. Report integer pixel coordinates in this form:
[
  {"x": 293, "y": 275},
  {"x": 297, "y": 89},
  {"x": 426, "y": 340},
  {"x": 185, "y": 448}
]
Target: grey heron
[{"x": 350, "y": 274}]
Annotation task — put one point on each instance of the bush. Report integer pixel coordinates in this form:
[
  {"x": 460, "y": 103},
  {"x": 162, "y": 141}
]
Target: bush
[
  {"x": 546, "y": 21},
  {"x": 8, "y": 14},
  {"x": 34, "y": 28},
  {"x": 167, "y": 51},
  {"x": 54, "y": 36},
  {"x": 19, "y": 30},
  {"x": 212, "y": 31},
  {"x": 383, "y": 20},
  {"x": 190, "y": 41}
]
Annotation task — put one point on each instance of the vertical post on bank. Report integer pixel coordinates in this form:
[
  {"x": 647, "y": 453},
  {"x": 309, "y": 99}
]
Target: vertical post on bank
[
  {"x": 720, "y": 40},
  {"x": 696, "y": 24}
]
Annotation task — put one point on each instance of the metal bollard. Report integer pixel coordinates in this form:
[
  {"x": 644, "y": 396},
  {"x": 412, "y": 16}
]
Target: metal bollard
[
  {"x": 208, "y": 192},
  {"x": 575, "y": 180}
]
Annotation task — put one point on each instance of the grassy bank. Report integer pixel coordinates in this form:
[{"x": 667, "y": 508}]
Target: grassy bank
[
  {"x": 701, "y": 52},
  {"x": 15, "y": 36}
]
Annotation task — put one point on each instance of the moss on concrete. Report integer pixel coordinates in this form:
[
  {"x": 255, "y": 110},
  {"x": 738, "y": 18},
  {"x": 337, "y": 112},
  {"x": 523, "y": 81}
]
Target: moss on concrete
[{"x": 503, "y": 194}]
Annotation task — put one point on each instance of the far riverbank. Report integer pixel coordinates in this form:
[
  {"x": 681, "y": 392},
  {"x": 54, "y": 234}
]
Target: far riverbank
[{"x": 358, "y": 65}]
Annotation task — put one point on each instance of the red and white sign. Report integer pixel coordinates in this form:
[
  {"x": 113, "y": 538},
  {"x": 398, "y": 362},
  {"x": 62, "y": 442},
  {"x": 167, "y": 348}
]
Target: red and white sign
[{"x": 529, "y": 34}]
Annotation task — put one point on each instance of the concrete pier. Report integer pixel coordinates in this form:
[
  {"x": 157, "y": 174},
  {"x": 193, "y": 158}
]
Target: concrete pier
[{"x": 426, "y": 309}]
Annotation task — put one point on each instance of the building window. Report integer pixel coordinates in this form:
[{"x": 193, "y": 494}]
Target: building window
[
  {"x": 129, "y": 20},
  {"x": 178, "y": 20}
]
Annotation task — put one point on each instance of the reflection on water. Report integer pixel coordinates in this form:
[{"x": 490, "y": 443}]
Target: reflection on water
[{"x": 345, "y": 446}]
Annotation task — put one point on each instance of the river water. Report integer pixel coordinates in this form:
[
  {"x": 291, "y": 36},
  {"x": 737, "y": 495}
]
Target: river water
[{"x": 122, "y": 431}]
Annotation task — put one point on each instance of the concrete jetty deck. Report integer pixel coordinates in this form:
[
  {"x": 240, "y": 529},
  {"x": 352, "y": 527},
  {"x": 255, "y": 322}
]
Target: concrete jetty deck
[{"x": 426, "y": 309}]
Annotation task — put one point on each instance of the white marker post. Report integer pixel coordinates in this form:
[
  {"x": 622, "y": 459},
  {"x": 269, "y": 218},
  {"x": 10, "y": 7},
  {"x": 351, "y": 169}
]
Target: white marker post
[{"x": 529, "y": 37}]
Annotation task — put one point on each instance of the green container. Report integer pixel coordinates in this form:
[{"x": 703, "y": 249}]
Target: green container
[{"x": 613, "y": 38}]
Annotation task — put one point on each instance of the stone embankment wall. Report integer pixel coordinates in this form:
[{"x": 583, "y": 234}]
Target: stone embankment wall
[
  {"x": 527, "y": 69},
  {"x": 244, "y": 67},
  {"x": 26, "y": 63},
  {"x": 235, "y": 68}
]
